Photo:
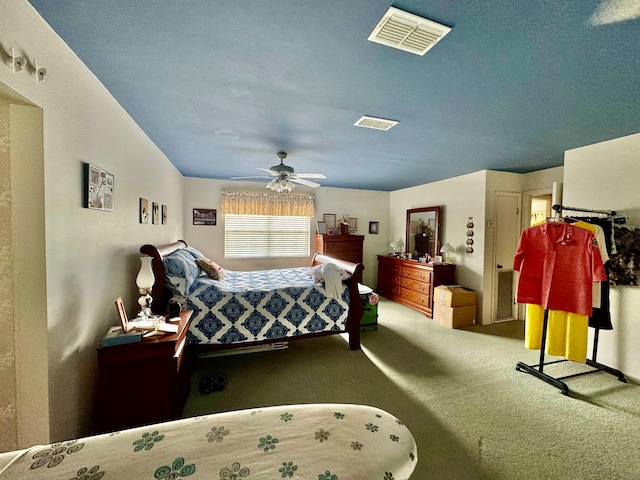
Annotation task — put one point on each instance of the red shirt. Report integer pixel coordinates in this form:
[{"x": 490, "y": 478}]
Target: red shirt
[{"x": 558, "y": 263}]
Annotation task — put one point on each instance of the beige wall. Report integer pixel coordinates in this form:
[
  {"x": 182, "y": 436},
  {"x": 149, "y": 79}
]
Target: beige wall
[
  {"x": 365, "y": 205},
  {"x": 8, "y": 374},
  {"x": 91, "y": 256},
  {"x": 605, "y": 176}
]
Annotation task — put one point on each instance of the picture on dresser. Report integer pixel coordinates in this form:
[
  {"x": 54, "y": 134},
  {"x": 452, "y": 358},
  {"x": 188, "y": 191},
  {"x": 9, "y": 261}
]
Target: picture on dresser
[
  {"x": 321, "y": 228},
  {"x": 353, "y": 225},
  {"x": 330, "y": 220}
]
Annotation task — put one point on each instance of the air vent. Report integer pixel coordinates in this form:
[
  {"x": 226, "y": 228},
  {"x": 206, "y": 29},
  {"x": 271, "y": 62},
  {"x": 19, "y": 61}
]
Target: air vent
[
  {"x": 376, "y": 123},
  {"x": 408, "y": 32}
]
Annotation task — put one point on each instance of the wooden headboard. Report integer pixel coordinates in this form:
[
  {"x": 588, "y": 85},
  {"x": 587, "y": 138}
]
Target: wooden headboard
[{"x": 159, "y": 293}]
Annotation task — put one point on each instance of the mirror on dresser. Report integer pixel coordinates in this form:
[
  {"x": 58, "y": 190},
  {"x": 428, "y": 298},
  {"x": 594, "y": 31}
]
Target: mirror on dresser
[{"x": 423, "y": 229}]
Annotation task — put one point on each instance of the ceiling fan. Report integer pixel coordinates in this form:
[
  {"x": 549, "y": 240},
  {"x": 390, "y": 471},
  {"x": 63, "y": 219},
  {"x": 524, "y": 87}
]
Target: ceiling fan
[{"x": 283, "y": 175}]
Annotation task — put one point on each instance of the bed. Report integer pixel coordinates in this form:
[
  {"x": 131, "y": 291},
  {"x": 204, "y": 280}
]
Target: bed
[
  {"x": 314, "y": 441},
  {"x": 245, "y": 309}
]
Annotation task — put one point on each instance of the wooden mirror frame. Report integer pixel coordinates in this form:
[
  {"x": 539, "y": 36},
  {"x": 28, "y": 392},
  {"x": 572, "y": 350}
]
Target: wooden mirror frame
[{"x": 436, "y": 229}]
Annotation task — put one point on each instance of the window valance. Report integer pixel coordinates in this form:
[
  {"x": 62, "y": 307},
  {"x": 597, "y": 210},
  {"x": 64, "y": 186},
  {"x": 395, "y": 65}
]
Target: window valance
[{"x": 282, "y": 205}]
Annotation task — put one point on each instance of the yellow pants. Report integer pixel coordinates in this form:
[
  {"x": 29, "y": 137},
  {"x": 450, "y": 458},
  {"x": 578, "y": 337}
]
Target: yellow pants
[{"x": 567, "y": 333}]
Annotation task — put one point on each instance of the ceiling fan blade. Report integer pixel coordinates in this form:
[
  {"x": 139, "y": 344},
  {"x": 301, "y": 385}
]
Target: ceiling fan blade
[
  {"x": 308, "y": 183},
  {"x": 252, "y": 176},
  {"x": 309, "y": 175},
  {"x": 275, "y": 174}
]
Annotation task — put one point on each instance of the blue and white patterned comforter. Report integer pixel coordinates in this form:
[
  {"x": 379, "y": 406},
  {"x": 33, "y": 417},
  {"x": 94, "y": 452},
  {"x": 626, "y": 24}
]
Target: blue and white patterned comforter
[{"x": 262, "y": 305}]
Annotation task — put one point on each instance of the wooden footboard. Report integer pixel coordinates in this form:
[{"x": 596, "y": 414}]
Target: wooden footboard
[{"x": 356, "y": 307}]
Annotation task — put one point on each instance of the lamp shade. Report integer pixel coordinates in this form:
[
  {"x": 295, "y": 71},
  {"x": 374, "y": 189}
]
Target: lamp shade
[
  {"x": 145, "y": 278},
  {"x": 447, "y": 250}
]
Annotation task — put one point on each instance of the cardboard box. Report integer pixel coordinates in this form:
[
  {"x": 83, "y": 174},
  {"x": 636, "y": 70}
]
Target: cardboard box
[
  {"x": 454, "y": 296},
  {"x": 454, "y": 317}
]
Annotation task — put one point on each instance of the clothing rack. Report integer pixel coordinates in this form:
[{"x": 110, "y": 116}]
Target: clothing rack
[
  {"x": 560, "y": 208},
  {"x": 538, "y": 370}
]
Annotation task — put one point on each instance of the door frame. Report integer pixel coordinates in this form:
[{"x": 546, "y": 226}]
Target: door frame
[{"x": 516, "y": 313}]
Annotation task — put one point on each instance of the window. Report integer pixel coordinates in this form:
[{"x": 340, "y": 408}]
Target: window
[{"x": 256, "y": 236}]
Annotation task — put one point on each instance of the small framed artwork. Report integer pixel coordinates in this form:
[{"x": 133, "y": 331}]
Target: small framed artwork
[
  {"x": 414, "y": 226},
  {"x": 122, "y": 314},
  {"x": 321, "y": 228},
  {"x": 155, "y": 213},
  {"x": 98, "y": 191},
  {"x": 164, "y": 214},
  {"x": 373, "y": 227},
  {"x": 204, "y": 216},
  {"x": 144, "y": 210},
  {"x": 330, "y": 220},
  {"x": 353, "y": 224}
]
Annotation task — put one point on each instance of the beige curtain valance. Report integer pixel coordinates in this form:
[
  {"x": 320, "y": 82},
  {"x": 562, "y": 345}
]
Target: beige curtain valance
[{"x": 282, "y": 204}]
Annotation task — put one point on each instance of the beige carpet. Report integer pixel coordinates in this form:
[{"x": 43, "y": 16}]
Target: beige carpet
[{"x": 472, "y": 414}]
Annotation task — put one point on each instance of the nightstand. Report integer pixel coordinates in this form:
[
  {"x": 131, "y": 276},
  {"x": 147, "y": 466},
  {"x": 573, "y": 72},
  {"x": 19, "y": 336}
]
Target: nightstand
[{"x": 144, "y": 382}]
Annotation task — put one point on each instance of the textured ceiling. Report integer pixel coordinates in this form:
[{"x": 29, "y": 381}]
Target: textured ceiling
[{"x": 221, "y": 86}]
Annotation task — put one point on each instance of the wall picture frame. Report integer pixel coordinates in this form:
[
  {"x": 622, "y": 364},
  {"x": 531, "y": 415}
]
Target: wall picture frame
[
  {"x": 374, "y": 228},
  {"x": 353, "y": 225},
  {"x": 155, "y": 213},
  {"x": 204, "y": 216},
  {"x": 144, "y": 210},
  {"x": 164, "y": 215},
  {"x": 98, "y": 188}
]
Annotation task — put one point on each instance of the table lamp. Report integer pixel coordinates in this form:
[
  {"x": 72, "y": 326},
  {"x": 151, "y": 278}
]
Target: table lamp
[
  {"x": 145, "y": 281},
  {"x": 446, "y": 251}
]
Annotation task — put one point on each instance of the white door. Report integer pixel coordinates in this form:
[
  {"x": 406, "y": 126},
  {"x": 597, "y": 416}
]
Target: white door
[{"x": 507, "y": 233}]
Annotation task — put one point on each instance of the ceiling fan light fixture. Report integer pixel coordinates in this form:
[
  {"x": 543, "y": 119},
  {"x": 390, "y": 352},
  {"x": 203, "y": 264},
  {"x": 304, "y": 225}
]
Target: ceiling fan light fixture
[{"x": 280, "y": 185}]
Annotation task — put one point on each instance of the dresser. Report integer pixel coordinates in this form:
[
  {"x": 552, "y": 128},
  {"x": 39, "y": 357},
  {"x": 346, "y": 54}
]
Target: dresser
[
  {"x": 342, "y": 247},
  {"x": 411, "y": 283}
]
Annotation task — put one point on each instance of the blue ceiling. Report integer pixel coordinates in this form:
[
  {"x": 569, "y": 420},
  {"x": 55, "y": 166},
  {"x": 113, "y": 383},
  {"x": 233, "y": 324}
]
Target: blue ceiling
[{"x": 221, "y": 86}]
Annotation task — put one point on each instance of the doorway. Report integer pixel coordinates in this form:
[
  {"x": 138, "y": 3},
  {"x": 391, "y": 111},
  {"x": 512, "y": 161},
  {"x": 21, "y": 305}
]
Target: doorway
[
  {"x": 506, "y": 241},
  {"x": 540, "y": 208}
]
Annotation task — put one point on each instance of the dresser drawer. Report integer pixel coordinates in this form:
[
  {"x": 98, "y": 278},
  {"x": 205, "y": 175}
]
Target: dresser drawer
[
  {"x": 415, "y": 297},
  {"x": 342, "y": 247},
  {"x": 416, "y": 286},
  {"x": 420, "y": 274}
]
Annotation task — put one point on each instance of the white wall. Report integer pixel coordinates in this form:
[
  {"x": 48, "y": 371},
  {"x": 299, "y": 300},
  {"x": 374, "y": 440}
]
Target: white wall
[
  {"x": 605, "y": 176},
  {"x": 365, "y": 205},
  {"x": 92, "y": 256}
]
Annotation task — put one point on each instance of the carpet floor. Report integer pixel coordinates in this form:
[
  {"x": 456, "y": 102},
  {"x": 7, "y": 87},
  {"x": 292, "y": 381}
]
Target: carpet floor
[{"x": 472, "y": 414}]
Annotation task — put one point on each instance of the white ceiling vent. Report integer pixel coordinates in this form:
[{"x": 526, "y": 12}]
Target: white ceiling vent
[
  {"x": 408, "y": 32},
  {"x": 375, "y": 123}
]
